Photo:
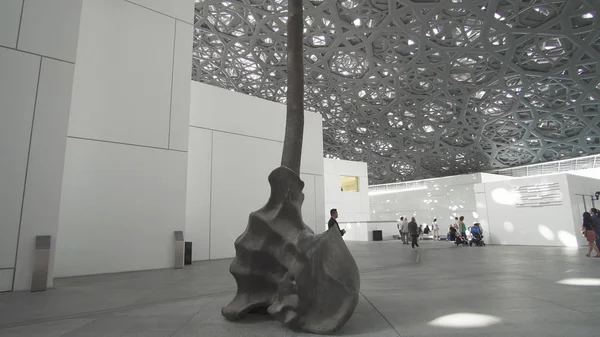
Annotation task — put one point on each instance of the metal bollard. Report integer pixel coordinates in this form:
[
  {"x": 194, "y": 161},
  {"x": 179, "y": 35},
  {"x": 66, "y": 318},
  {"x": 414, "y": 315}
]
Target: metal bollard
[
  {"x": 39, "y": 279},
  {"x": 179, "y": 249}
]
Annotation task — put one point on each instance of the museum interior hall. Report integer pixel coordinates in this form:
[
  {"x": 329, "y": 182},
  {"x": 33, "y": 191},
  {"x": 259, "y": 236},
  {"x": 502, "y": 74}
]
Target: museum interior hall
[{"x": 385, "y": 168}]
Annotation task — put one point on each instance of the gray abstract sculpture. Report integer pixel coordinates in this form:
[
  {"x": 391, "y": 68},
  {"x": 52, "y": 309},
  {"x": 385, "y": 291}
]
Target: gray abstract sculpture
[{"x": 308, "y": 281}]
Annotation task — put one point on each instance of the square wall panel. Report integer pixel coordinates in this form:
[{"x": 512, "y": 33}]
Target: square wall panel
[
  {"x": 224, "y": 110},
  {"x": 120, "y": 206},
  {"x": 181, "y": 9},
  {"x": 241, "y": 167},
  {"x": 50, "y": 28},
  {"x": 18, "y": 89},
  {"x": 122, "y": 82},
  {"x": 10, "y": 15}
]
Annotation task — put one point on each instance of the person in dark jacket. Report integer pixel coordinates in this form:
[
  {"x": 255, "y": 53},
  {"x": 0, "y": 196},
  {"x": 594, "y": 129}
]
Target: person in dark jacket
[
  {"x": 413, "y": 230},
  {"x": 333, "y": 222},
  {"x": 596, "y": 222},
  {"x": 587, "y": 229}
]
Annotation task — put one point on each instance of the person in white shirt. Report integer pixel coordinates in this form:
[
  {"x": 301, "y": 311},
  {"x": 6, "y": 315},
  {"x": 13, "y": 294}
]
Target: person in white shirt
[
  {"x": 400, "y": 225},
  {"x": 404, "y": 229},
  {"x": 436, "y": 230}
]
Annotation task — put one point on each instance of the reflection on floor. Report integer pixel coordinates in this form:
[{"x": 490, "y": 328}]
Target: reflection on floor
[{"x": 438, "y": 290}]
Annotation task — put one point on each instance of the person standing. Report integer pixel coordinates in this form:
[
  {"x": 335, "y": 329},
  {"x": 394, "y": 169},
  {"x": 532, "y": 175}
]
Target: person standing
[
  {"x": 436, "y": 230},
  {"x": 400, "y": 226},
  {"x": 413, "y": 230},
  {"x": 333, "y": 222},
  {"x": 405, "y": 230},
  {"x": 587, "y": 229},
  {"x": 462, "y": 227},
  {"x": 456, "y": 223},
  {"x": 596, "y": 222}
]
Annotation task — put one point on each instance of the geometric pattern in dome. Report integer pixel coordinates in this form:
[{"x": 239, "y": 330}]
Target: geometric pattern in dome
[{"x": 422, "y": 88}]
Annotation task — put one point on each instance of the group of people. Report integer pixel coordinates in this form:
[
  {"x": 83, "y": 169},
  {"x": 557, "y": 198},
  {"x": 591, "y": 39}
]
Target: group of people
[
  {"x": 457, "y": 231},
  {"x": 590, "y": 229},
  {"x": 409, "y": 229}
]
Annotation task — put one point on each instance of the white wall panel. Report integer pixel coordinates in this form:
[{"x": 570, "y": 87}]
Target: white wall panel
[
  {"x": 442, "y": 198},
  {"x": 544, "y": 226},
  {"x": 45, "y": 170},
  {"x": 239, "y": 186},
  {"x": 199, "y": 192},
  {"x": 180, "y": 93},
  {"x": 50, "y": 28},
  {"x": 223, "y": 110},
  {"x": 578, "y": 186},
  {"x": 10, "y": 14},
  {"x": 18, "y": 85},
  {"x": 180, "y": 9},
  {"x": 321, "y": 213},
  {"x": 351, "y": 206},
  {"x": 122, "y": 83},
  {"x": 482, "y": 212},
  {"x": 248, "y": 140},
  {"x": 120, "y": 206},
  {"x": 6, "y": 279},
  {"x": 312, "y": 144}
]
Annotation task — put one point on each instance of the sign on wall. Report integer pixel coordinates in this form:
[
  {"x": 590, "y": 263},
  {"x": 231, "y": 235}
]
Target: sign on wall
[{"x": 539, "y": 195}]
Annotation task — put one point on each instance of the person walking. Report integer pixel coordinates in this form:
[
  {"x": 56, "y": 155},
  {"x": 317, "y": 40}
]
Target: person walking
[
  {"x": 462, "y": 227},
  {"x": 436, "y": 230},
  {"x": 413, "y": 230},
  {"x": 400, "y": 226},
  {"x": 587, "y": 229}
]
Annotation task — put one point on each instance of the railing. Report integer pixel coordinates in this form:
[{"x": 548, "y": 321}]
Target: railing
[{"x": 566, "y": 165}]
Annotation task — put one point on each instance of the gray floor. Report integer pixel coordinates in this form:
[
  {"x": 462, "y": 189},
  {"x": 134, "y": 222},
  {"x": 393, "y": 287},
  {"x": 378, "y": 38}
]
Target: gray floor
[{"x": 403, "y": 291}]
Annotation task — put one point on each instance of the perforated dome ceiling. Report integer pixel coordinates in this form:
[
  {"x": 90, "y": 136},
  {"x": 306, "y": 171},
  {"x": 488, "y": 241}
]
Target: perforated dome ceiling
[{"x": 422, "y": 88}]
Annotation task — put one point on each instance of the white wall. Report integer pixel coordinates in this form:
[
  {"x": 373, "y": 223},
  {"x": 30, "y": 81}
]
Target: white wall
[
  {"x": 441, "y": 198},
  {"x": 351, "y": 206},
  {"x": 124, "y": 185},
  {"x": 587, "y": 186},
  {"x": 235, "y": 142},
  {"x": 38, "y": 40},
  {"x": 590, "y": 173},
  {"x": 508, "y": 224}
]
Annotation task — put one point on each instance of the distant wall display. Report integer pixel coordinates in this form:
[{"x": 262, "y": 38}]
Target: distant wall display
[
  {"x": 349, "y": 184},
  {"x": 539, "y": 195}
]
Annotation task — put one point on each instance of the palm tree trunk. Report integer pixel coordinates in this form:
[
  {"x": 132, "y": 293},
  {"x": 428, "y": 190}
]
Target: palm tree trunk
[{"x": 294, "y": 124}]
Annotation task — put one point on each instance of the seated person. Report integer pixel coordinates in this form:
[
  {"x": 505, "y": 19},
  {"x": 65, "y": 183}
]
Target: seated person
[
  {"x": 452, "y": 233},
  {"x": 476, "y": 230}
]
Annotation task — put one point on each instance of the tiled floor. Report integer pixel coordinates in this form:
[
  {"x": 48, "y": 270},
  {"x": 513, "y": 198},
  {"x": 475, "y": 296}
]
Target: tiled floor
[{"x": 404, "y": 293}]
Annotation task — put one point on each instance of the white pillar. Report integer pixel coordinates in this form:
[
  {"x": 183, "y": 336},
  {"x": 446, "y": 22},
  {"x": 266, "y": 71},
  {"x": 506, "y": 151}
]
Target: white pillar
[{"x": 38, "y": 42}]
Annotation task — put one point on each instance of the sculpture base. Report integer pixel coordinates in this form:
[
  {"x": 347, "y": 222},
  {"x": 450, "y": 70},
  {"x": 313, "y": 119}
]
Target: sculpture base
[{"x": 308, "y": 282}]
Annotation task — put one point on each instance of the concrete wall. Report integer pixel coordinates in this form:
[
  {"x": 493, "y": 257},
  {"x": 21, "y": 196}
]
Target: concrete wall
[
  {"x": 235, "y": 142},
  {"x": 38, "y": 42},
  {"x": 124, "y": 186},
  {"x": 351, "y": 206},
  {"x": 546, "y": 225},
  {"x": 441, "y": 198}
]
